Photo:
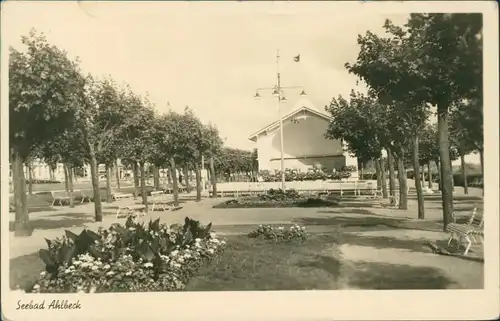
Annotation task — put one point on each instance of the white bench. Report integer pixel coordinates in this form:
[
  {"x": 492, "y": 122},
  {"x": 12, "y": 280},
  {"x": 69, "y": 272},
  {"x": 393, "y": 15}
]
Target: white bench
[
  {"x": 130, "y": 209},
  {"x": 118, "y": 196},
  {"x": 86, "y": 195},
  {"x": 59, "y": 197},
  {"x": 468, "y": 231},
  {"x": 156, "y": 193}
]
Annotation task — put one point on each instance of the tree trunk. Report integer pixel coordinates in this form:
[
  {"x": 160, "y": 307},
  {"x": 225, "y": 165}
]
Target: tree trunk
[
  {"x": 403, "y": 187},
  {"x": 198, "y": 181},
  {"x": 383, "y": 179},
  {"x": 136, "y": 180},
  {"x": 213, "y": 178},
  {"x": 51, "y": 174},
  {"x": 109, "y": 194},
  {"x": 117, "y": 173},
  {"x": 377, "y": 172},
  {"x": 481, "y": 159},
  {"x": 66, "y": 185},
  {"x": 175, "y": 186},
  {"x": 30, "y": 179},
  {"x": 418, "y": 182},
  {"x": 186, "y": 177},
  {"x": 446, "y": 173},
  {"x": 21, "y": 224},
  {"x": 440, "y": 179},
  {"x": 430, "y": 174},
  {"x": 156, "y": 177},
  {"x": 95, "y": 185},
  {"x": 464, "y": 173},
  {"x": 452, "y": 176},
  {"x": 392, "y": 176},
  {"x": 144, "y": 193},
  {"x": 69, "y": 169},
  {"x": 169, "y": 176}
]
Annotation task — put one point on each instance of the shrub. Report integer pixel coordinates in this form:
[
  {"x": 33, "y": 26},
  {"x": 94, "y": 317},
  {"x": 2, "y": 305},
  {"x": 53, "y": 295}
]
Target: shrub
[
  {"x": 311, "y": 175},
  {"x": 134, "y": 257},
  {"x": 279, "y": 195},
  {"x": 268, "y": 232}
]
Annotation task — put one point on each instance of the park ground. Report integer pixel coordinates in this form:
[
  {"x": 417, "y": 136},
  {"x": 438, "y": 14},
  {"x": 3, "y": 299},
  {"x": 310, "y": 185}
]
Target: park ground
[{"x": 358, "y": 245}]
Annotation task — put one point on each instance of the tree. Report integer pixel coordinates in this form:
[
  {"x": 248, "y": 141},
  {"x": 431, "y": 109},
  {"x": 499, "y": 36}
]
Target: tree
[
  {"x": 137, "y": 132},
  {"x": 212, "y": 146},
  {"x": 101, "y": 110},
  {"x": 466, "y": 125},
  {"x": 362, "y": 124},
  {"x": 442, "y": 64},
  {"x": 42, "y": 85}
]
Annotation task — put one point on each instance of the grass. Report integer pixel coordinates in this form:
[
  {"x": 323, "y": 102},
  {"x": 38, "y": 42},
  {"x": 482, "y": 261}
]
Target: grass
[{"x": 259, "y": 265}]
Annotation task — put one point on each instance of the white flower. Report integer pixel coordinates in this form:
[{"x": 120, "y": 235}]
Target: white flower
[
  {"x": 281, "y": 228},
  {"x": 131, "y": 228},
  {"x": 96, "y": 241},
  {"x": 110, "y": 273},
  {"x": 106, "y": 267},
  {"x": 174, "y": 253},
  {"x": 223, "y": 242},
  {"x": 76, "y": 262},
  {"x": 36, "y": 287},
  {"x": 216, "y": 241},
  {"x": 98, "y": 262},
  {"x": 177, "y": 265},
  {"x": 211, "y": 251},
  {"x": 128, "y": 273},
  {"x": 92, "y": 289},
  {"x": 67, "y": 271},
  {"x": 181, "y": 260},
  {"x": 213, "y": 235},
  {"x": 187, "y": 256},
  {"x": 197, "y": 240},
  {"x": 94, "y": 268},
  {"x": 187, "y": 246},
  {"x": 43, "y": 273},
  {"x": 148, "y": 264}
]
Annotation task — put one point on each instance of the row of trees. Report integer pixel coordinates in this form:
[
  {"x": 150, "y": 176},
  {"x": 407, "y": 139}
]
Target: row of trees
[
  {"x": 433, "y": 61},
  {"x": 61, "y": 115}
]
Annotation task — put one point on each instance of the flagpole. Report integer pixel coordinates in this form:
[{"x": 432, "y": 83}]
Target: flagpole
[
  {"x": 281, "y": 120},
  {"x": 277, "y": 90}
]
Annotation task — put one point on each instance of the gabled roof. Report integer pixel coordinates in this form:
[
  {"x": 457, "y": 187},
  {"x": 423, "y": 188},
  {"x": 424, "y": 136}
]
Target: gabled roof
[{"x": 303, "y": 105}]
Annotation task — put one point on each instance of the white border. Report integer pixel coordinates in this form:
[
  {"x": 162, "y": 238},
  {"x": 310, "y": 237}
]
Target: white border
[{"x": 296, "y": 305}]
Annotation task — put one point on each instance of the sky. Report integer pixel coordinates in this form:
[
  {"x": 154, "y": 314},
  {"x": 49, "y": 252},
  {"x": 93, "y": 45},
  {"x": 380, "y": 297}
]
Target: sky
[{"x": 210, "y": 56}]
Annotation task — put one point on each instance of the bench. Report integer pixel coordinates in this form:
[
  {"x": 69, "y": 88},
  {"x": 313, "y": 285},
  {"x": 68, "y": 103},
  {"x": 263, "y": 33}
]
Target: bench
[
  {"x": 87, "y": 194},
  {"x": 59, "y": 197},
  {"x": 130, "y": 209},
  {"x": 156, "y": 193},
  {"x": 473, "y": 227},
  {"x": 118, "y": 196}
]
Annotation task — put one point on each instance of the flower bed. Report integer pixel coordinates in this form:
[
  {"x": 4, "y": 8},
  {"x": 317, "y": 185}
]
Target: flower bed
[
  {"x": 131, "y": 258},
  {"x": 280, "y": 233},
  {"x": 278, "y": 198},
  {"x": 312, "y": 175}
]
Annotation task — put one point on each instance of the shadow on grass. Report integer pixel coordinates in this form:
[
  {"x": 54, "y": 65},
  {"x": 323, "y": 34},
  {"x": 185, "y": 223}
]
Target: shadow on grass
[
  {"x": 346, "y": 222},
  {"x": 384, "y": 276},
  {"x": 385, "y": 242},
  {"x": 24, "y": 270}
]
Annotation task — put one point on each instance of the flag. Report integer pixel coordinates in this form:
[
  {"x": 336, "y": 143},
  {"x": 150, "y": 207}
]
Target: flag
[{"x": 296, "y": 58}]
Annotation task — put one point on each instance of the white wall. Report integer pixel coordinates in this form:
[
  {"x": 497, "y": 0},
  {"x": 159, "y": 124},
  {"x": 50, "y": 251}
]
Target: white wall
[{"x": 302, "y": 139}]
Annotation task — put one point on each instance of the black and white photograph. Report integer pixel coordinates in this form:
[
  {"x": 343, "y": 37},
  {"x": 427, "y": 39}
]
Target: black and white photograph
[{"x": 208, "y": 151}]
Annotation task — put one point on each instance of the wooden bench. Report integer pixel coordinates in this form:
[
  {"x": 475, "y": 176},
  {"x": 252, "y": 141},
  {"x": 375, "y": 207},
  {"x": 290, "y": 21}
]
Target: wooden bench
[
  {"x": 118, "y": 196},
  {"x": 473, "y": 227},
  {"x": 130, "y": 209},
  {"x": 59, "y": 197}
]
